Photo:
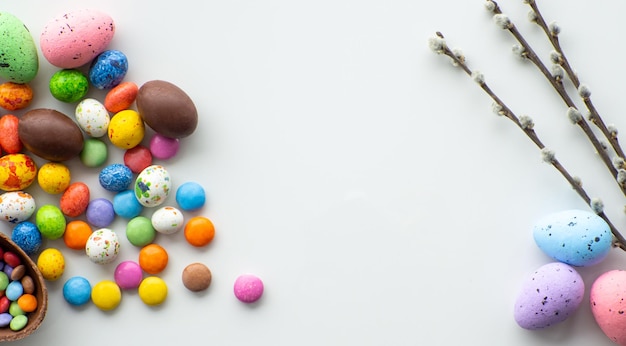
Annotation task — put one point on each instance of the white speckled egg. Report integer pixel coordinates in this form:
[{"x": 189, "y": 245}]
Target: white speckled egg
[
  {"x": 92, "y": 117},
  {"x": 167, "y": 220},
  {"x": 102, "y": 246},
  {"x": 16, "y": 206},
  {"x": 152, "y": 186}
]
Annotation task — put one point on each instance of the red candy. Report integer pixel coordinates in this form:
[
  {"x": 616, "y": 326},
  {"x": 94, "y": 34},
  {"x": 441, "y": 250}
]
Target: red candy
[
  {"x": 9, "y": 139},
  {"x": 137, "y": 158},
  {"x": 121, "y": 97},
  {"x": 11, "y": 259},
  {"x": 4, "y": 304},
  {"x": 75, "y": 199}
]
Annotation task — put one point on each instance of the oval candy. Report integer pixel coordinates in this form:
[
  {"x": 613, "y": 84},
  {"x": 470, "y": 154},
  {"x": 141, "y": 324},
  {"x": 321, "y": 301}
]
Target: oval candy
[
  {"x": 16, "y": 206},
  {"x": 19, "y": 62},
  {"x": 167, "y": 109},
  {"x": 17, "y": 172},
  {"x": 92, "y": 117},
  {"x": 9, "y": 137},
  {"x": 50, "y": 134},
  {"x": 75, "y": 199},
  {"x": 608, "y": 304},
  {"x": 15, "y": 96},
  {"x": 152, "y": 186},
  {"x": 108, "y": 69},
  {"x": 126, "y": 129},
  {"x": 121, "y": 97}
]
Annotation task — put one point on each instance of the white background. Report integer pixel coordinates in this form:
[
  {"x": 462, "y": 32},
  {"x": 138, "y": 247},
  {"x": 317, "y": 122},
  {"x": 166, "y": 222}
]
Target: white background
[{"x": 362, "y": 177}]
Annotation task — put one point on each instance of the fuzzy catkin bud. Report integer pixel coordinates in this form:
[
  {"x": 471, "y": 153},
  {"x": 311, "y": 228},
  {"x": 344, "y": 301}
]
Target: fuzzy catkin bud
[
  {"x": 548, "y": 155},
  {"x": 555, "y": 29},
  {"x": 497, "y": 109},
  {"x": 502, "y": 20},
  {"x": 574, "y": 115},
  {"x": 526, "y": 122},
  {"x": 555, "y": 57},
  {"x": 519, "y": 50},
  {"x": 584, "y": 91},
  {"x": 612, "y": 130},
  {"x": 577, "y": 181},
  {"x": 437, "y": 44},
  {"x": 459, "y": 55},
  {"x": 618, "y": 162},
  {"x": 478, "y": 77},
  {"x": 557, "y": 72},
  {"x": 597, "y": 205},
  {"x": 532, "y": 16},
  {"x": 490, "y": 6},
  {"x": 621, "y": 176}
]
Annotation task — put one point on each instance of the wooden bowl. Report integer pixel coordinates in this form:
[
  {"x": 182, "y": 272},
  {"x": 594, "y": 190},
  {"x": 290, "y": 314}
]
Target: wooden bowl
[{"x": 36, "y": 317}]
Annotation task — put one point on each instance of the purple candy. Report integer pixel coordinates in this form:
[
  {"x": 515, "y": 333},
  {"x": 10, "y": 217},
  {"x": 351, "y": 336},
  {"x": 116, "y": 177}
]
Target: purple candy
[
  {"x": 163, "y": 147},
  {"x": 7, "y": 270},
  {"x": 100, "y": 212},
  {"x": 5, "y": 319}
]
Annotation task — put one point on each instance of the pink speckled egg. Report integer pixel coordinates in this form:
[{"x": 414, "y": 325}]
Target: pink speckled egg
[
  {"x": 75, "y": 38},
  {"x": 549, "y": 296},
  {"x": 608, "y": 304}
]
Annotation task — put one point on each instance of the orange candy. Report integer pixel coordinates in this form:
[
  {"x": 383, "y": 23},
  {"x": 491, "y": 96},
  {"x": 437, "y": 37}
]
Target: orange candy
[
  {"x": 15, "y": 96},
  {"x": 121, "y": 97},
  {"x": 9, "y": 138},
  {"x": 153, "y": 258},
  {"x": 199, "y": 231},
  {"x": 76, "y": 234},
  {"x": 27, "y": 302},
  {"x": 75, "y": 199}
]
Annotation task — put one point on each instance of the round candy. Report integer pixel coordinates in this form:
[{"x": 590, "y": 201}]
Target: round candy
[
  {"x": 197, "y": 277},
  {"x": 153, "y": 258},
  {"x": 77, "y": 290},
  {"x": 152, "y": 290},
  {"x": 94, "y": 153},
  {"x": 17, "y": 172},
  {"x": 75, "y": 199},
  {"x": 121, "y": 97},
  {"x": 9, "y": 136},
  {"x": 126, "y": 129},
  {"x": 139, "y": 231},
  {"x": 128, "y": 275},
  {"x": 167, "y": 220},
  {"x": 51, "y": 264},
  {"x": 76, "y": 234},
  {"x": 16, "y": 206},
  {"x": 138, "y": 158},
  {"x": 68, "y": 85},
  {"x": 108, "y": 69},
  {"x": 102, "y": 246},
  {"x": 199, "y": 231},
  {"x": 53, "y": 177},
  {"x": 163, "y": 147},
  {"x": 106, "y": 295},
  {"x": 248, "y": 288},
  {"x": 92, "y": 117},
  {"x": 152, "y": 186},
  {"x": 50, "y": 221},
  {"x": 115, "y": 177},
  {"x": 126, "y": 205},
  {"x": 100, "y": 212},
  {"x": 27, "y": 236},
  {"x": 27, "y": 302},
  {"x": 190, "y": 196}
]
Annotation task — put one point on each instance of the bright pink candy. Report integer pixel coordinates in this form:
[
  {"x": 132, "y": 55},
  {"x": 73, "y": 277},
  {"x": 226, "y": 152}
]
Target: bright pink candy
[
  {"x": 163, "y": 147},
  {"x": 128, "y": 275},
  {"x": 248, "y": 288}
]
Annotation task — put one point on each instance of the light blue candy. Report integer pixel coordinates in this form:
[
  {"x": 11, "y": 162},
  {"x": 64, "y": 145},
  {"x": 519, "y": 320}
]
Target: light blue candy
[
  {"x": 126, "y": 205},
  {"x": 576, "y": 237},
  {"x": 77, "y": 290},
  {"x": 190, "y": 196},
  {"x": 14, "y": 290}
]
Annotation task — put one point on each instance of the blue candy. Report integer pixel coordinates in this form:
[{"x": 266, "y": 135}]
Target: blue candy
[
  {"x": 126, "y": 205},
  {"x": 115, "y": 177},
  {"x": 14, "y": 290},
  {"x": 27, "y": 236},
  {"x": 108, "y": 69},
  {"x": 77, "y": 290},
  {"x": 5, "y": 319},
  {"x": 190, "y": 196}
]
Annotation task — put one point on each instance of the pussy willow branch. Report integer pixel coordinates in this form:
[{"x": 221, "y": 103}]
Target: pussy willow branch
[
  {"x": 594, "y": 116},
  {"x": 557, "y": 84},
  {"x": 527, "y": 128}
]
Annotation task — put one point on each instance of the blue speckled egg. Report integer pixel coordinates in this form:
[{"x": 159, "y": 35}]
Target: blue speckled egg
[
  {"x": 27, "y": 236},
  {"x": 115, "y": 177},
  {"x": 108, "y": 69},
  {"x": 549, "y": 296},
  {"x": 576, "y": 237}
]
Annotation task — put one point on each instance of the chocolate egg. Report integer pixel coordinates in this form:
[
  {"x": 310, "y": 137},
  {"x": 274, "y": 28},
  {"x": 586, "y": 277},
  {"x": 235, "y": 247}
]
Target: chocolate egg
[
  {"x": 167, "y": 109},
  {"x": 50, "y": 134}
]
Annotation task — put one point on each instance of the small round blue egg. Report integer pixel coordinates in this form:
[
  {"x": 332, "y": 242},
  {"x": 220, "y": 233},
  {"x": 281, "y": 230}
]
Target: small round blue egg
[
  {"x": 190, "y": 196},
  {"x": 77, "y": 290},
  {"x": 108, "y": 69},
  {"x": 115, "y": 177},
  {"x": 126, "y": 205},
  {"x": 27, "y": 236}
]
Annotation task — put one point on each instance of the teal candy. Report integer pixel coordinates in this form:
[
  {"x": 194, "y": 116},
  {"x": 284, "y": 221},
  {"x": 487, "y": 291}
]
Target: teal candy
[
  {"x": 19, "y": 62},
  {"x": 69, "y": 85}
]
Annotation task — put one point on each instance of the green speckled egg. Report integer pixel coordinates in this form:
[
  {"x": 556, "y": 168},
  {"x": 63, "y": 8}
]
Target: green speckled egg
[
  {"x": 69, "y": 85},
  {"x": 19, "y": 61}
]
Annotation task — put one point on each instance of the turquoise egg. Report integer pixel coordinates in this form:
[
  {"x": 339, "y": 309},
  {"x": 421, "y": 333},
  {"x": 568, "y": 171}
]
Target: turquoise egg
[
  {"x": 576, "y": 237},
  {"x": 19, "y": 62}
]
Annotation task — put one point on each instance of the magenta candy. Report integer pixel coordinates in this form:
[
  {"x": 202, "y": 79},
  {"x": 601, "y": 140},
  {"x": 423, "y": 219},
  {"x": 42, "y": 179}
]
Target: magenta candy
[
  {"x": 128, "y": 275},
  {"x": 163, "y": 147},
  {"x": 248, "y": 288}
]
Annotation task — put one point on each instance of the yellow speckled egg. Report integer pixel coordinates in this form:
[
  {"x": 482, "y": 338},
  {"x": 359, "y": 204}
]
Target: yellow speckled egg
[
  {"x": 126, "y": 129},
  {"x": 53, "y": 177},
  {"x": 51, "y": 263},
  {"x": 17, "y": 172}
]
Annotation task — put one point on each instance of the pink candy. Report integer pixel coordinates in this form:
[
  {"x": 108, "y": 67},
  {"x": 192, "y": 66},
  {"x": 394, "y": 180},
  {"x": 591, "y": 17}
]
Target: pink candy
[
  {"x": 128, "y": 275},
  {"x": 163, "y": 147},
  {"x": 248, "y": 288}
]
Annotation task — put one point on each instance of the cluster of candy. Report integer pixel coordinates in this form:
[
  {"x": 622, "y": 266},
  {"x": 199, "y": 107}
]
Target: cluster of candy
[
  {"x": 71, "y": 41},
  {"x": 19, "y": 292}
]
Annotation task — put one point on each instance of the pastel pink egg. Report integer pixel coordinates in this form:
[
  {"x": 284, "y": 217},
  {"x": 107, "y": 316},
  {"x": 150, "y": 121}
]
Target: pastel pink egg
[
  {"x": 75, "y": 38},
  {"x": 608, "y": 304}
]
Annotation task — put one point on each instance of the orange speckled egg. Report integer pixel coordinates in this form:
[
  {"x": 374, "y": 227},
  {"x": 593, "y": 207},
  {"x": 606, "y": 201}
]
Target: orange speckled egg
[
  {"x": 15, "y": 96},
  {"x": 17, "y": 172},
  {"x": 9, "y": 137}
]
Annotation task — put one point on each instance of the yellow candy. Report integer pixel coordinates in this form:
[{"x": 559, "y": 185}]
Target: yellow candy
[
  {"x": 51, "y": 264},
  {"x": 152, "y": 290},
  {"x": 53, "y": 177},
  {"x": 126, "y": 129},
  {"x": 17, "y": 172},
  {"x": 106, "y": 295}
]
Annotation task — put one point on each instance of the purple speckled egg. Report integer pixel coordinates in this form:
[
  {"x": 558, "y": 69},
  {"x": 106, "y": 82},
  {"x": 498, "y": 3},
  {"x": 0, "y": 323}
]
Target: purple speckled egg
[{"x": 549, "y": 296}]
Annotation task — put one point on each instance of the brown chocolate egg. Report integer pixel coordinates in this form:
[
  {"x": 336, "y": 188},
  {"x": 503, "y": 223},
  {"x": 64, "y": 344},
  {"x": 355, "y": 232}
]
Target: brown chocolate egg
[
  {"x": 167, "y": 109},
  {"x": 50, "y": 134}
]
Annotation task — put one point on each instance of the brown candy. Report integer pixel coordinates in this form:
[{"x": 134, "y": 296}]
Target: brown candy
[
  {"x": 167, "y": 109},
  {"x": 50, "y": 134},
  {"x": 196, "y": 277}
]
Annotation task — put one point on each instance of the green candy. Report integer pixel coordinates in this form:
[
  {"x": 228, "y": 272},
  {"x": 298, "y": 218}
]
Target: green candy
[
  {"x": 19, "y": 62},
  {"x": 4, "y": 281},
  {"x": 68, "y": 85},
  {"x": 94, "y": 152},
  {"x": 139, "y": 231},
  {"x": 18, "y": 322},
  {"x": 15, "y": 310},
  {"x": 50, "y": 221}
]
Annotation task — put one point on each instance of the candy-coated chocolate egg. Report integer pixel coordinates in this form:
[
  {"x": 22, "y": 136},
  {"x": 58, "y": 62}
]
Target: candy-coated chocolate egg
[
  {"x": 102, "y": 246},
  {"x": 152, "y": 186},
  {"x": 92, "y": 117},
  {"x": 17, "y": 172},
  {"x": 16, "y": 206}
]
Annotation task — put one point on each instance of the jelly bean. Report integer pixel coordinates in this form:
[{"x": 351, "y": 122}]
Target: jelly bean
[
  {"x": 11, "y": 258},
  {"x": 248, "y": 288},
  {"x": 199, "y": 231},
  {"x": 121, "y": 97},
  {"x": 94, "y": 153},
  {"x": 14, "y": 96},
  {"x": 9, "y": 137},
  {"x": 68, "y": 85},
  {"x": 14, "y": 290},
  {"x": 18, "y": 322},
  {"x": 153, "y": 258},
  {"x": 196, "y": 277},
  {"x": 5, "y": 303},
  {"x": 139, "y": 231},
  {"x": 92, "y": 117},
  {"x": 53, "y": 177},
  {"x": 18, "y": 272},
  {"x": 128, "y": 275},
  {"x": 27, "y": 236},
  {"x": 163, "y": 147},
  {"x": 126, "y": 205},
  {"x": 27, "y": 302},
  {"x": 152, "y": 290},
  {"x": 190, "y": 196},
  {"x": 106, "y": 295},
  {"x": 102, "y": 246},
  {"x": 77, "y": 290},
  {"x": 15, "y": 309},
  {"x": 126, "y": 129},
  {"x": 100, "y": 212},
  {"x": 28, "y": 284},
  {"x": 108, "y": 69},
  {"x": 4, "y": 281},
  {"x": 167, "y": 220},
  {"x": 76, "y": 234},
  {"x": 5, "y": 318},
  {"x": 115, "y": 177},
  {"x": 50, "y": 221},
  {"x": 51, "y": 264},
  {"x": 75, "y": 199}
]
